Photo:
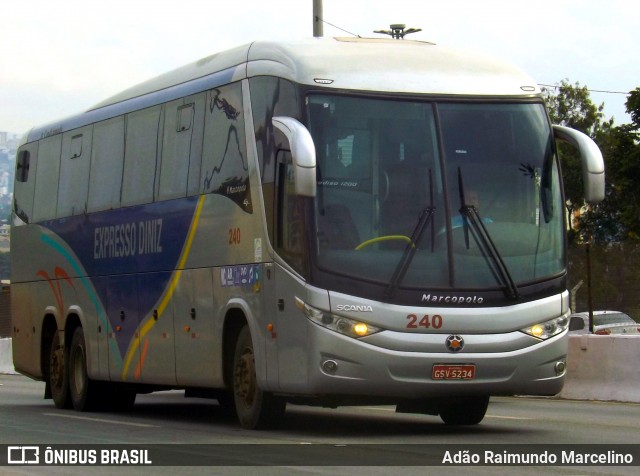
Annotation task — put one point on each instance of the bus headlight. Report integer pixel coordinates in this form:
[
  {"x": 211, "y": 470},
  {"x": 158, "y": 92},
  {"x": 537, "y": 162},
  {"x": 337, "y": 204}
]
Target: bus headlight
[
  {"x": 547, "y": 329},
  {"x": 343, "y": 325}
]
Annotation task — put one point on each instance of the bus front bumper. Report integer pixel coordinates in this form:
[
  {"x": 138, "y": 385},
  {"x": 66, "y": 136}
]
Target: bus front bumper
[{"x": 340, "y": 365}]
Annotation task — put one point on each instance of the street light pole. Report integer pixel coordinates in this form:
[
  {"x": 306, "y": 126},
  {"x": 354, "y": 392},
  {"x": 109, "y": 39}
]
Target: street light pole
[{"x": 317, "y": 18}]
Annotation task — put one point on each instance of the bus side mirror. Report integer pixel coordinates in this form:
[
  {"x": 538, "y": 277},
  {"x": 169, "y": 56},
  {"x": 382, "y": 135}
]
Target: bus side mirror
[
  {"x": 303, "y": 153},
  {"x": 592, "y": 162}
]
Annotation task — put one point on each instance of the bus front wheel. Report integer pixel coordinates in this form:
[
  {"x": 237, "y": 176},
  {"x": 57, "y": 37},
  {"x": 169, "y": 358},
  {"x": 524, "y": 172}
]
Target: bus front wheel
[
  {"x": 464, "y": 410},
  {"x": 255, "y": 408}
]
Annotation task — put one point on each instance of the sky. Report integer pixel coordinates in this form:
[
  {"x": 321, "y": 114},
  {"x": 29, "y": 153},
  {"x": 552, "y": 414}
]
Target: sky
[{"x": 61, "y": 57}]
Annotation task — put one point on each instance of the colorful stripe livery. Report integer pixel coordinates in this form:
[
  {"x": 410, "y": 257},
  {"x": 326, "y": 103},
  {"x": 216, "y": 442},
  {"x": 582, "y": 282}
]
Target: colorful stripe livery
[{"x": 121, "y": 250}]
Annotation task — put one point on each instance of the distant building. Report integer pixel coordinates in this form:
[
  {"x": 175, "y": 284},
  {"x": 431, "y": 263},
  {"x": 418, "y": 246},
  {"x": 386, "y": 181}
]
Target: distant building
[{"x": 8, "y": 146}]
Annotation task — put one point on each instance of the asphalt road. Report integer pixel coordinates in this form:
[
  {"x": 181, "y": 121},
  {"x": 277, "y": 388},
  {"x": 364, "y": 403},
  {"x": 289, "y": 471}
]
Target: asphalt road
[{"x": 313, "y": 440}]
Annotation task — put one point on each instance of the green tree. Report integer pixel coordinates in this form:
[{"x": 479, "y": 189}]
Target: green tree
[
  {"x": 614, "y": 224},
  {"x": 571, "y": 106},
  {"x": 623, "y": 161},
  {"x": 633, "y": 108},
  {"x": 618, "y": 216}
]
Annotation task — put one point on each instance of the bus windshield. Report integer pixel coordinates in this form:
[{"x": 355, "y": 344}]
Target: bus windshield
[{"x": 436, "y": 195}]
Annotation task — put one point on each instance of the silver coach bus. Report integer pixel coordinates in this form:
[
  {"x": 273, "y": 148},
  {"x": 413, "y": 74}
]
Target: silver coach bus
[{"x": 327, "y": 222}]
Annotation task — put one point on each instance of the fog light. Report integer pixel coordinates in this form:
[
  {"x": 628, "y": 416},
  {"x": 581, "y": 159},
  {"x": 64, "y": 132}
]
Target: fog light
[
  {"x": 330, "y": 366},
  {"x": 560, "y": 367}
]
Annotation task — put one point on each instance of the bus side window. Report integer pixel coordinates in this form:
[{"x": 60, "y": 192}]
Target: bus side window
[
  {"x": 196, "y": 132},
  {"x": 184, "y": 117},
  {"x": 107, "y": 159},
  {"x": 26, "y": 166},
  {"x": 47, "y": 176},
  {"x": 270, "y": 97},
  {"x": 290, "y": 236},
  {"x": 74, "y": 172},
  {"x": 176, "y": 145},
  {"x": 22, "y": 166},
  {"x": 224, "y": 155},
  {"x": 140, "y": 153}
]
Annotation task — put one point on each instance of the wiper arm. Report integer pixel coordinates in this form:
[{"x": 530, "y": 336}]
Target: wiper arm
[
  {"x": 473, "y": 221},
  {"x": 425, "y": 218}
]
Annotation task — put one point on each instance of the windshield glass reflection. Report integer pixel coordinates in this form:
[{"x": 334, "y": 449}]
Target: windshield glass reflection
[{"x": 440, "y": 196}]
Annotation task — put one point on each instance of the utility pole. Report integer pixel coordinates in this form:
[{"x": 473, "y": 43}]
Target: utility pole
[
  {"x": 317, "y": 18},
  {"x": 589, "y": 292}
]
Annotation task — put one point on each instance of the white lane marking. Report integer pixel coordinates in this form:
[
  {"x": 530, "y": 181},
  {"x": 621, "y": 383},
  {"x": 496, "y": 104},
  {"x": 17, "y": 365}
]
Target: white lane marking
[
  {"x": 102, "y": 420},
  {"x": 508, "y": 417},
  {"x": 502, "y": 417}
]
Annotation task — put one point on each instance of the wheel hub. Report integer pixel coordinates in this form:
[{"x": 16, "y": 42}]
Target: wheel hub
[
  {"x": 57, "y": 367},
  {"x": 245, "y": 378}
]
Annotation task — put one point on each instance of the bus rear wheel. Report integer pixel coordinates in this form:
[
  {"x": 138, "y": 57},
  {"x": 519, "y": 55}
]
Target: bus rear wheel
[
  {"x": 255, "y": 408},
  {"x": 83, "y": 391},
  {"x": 464, "y": 410},
  {"x": 58, "y": 375}
]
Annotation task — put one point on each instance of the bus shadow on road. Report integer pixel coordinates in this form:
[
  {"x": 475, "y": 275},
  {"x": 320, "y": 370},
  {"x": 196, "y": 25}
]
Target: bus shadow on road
[
  {"x": 383, "y": 422},
  {"x": 351, "y": 422}
]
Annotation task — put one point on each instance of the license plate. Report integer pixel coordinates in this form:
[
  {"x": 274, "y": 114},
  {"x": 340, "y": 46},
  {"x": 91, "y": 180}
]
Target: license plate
[{"x": 453, "y": 372}]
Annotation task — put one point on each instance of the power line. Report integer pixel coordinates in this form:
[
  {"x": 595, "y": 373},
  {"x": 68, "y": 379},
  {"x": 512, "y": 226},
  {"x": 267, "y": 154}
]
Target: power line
[
  {"x": 335, "y": 26},
  {"x": 557, "y": 86}
]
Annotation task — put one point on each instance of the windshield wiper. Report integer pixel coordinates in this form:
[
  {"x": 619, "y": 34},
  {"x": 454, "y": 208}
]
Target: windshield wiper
[
  {"x": 472, "y": 221},
  {"x": 425, "y": 218}
]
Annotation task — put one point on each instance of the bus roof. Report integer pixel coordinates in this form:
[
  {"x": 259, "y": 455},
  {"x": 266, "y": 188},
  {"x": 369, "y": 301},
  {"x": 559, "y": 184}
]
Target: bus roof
[
  {"x": 371, "y": 64},
  {"x": 388, "y": 65}
]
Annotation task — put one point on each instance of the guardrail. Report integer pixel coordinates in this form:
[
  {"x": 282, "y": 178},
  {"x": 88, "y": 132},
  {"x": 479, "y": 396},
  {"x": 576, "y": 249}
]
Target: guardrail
[
  {"x": 603, "y": 368},
  {"x": 6, "y": 358},
  {"x": 5, "y": 310}
]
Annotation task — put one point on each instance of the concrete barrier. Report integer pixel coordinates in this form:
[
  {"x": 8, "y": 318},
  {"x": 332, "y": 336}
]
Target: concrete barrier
[
  {"x": 603, "y": 368},
  {"x": 6, "y": 357}
]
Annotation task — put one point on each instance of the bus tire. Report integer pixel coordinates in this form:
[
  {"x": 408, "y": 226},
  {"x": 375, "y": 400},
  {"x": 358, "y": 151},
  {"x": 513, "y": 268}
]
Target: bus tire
[
  {"x": 227, "y": 403},
  {"x": 255, "y": 408},
  {"x": 464, "y": 410},
  {"x": 58, "y": 373},
  {"x": 84, "y": 392}
]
